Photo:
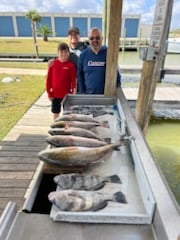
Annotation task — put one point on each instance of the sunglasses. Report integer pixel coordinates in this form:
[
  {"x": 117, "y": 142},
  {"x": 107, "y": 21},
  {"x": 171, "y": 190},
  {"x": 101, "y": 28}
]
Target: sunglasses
[{"x": 94, "y": 38}]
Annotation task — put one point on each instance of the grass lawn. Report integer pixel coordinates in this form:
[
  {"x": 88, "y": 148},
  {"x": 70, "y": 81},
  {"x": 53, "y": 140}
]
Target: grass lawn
[
  {"x": 26, "y": 45},
  {"x": 17, "y": 46},
  {"x": 29, "y": 65},
  {"x": 16, "y": 98}
]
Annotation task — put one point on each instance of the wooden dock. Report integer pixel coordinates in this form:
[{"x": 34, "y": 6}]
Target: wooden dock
[
  {"x": 18, "y": 150},
  {"x": 161, "y": 93}
]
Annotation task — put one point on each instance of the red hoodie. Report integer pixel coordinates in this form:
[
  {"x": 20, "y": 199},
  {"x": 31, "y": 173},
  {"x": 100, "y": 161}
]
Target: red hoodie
[{"x": 61, "y": 79}]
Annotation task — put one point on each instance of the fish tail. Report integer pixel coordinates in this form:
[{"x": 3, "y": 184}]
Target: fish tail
[
  {"x": 118, "y": 144},
  {"x": 105, "y": 124},
  {"x": 114, "y": 179},
  {"x": 119, "y": 197},
  {"x": 107, "y": 140}
]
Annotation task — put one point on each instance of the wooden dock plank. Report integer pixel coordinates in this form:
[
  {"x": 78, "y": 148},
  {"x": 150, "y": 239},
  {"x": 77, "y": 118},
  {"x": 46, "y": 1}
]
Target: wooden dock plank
[
  {"x": 161, "y": 93},
  {"x": 16, "y": 175},
  {"x": 18, "y": 167},
  {"x": 13, "y": 193},
  {"x": 13, "y": 183},
  {"x": 17, "y": 160},
  {"x": 19, "y": 148},
  {"x": 18, "y": 152}
]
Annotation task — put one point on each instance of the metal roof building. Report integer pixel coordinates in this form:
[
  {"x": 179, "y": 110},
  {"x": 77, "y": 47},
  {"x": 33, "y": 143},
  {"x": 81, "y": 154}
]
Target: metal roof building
[{"x": 15, "y": 24}]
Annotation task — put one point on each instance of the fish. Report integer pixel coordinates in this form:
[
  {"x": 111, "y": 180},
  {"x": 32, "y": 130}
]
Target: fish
[
  {"x": 76, "y": 117},
  {"x": 84, "y": 182},
  {"x": 77, "y": 156},
  {"x": 80, "y": 200},
  {"x": 70, "y": 140},
  {"x": 85, "y": 125},
  {"x": 81, "y": 132}
]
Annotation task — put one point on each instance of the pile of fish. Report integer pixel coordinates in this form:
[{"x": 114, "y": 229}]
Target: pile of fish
[
  {"x": 76, "y": 192},
  {"x": 73, "y": 143}
]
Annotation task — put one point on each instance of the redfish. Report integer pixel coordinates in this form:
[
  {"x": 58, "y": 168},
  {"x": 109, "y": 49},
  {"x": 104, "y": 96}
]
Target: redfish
[
  {"x": 81, "y": 132},
  {"x": 76, "y": 117},
  {"x": 70, "y": 140},
  {"x": 78, "y": 124},
  {"x": 76, "y": 156}
]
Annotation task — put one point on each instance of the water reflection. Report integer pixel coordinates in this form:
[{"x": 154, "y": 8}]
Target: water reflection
[
  {"x": 163, "y": 136},
  {"x": 132, "y": 58},
  {"x": 164, "y": 142}
]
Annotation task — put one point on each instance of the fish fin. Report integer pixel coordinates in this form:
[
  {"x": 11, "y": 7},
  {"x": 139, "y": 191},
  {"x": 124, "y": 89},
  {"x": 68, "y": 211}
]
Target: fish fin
[
  {"x": 67, "y": 125},
  {"x": 105, "y": 124},
  {"x": 97, "y": 187},
  {"x": 114, "y": 179},
  {"x": 98, "y": 206},
  {"x": 51, "y": 132},
  {"x": 119, "y": 197},
  {"x": 117, "y": 148},
  {"x": 107, "y": 140}
]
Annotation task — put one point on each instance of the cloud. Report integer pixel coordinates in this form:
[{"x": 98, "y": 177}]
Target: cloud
[
  {"x": 130, "y": 7},
  {"x": 68, "y": 6},
  {"x": 175, "y": 23},
  {"x": 145, "y": 8}
]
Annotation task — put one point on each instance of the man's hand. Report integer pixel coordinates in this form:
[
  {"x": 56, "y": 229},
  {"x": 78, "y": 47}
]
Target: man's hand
[{"x": 50, "y": 62}]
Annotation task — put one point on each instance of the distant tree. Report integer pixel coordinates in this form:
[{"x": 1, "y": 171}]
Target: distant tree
[
  {"x": 44, "y": 31},
  {"x": 34, "y": 16}
]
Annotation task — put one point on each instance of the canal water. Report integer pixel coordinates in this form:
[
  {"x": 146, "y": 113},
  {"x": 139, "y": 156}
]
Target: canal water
[{"x": 163, "y": 136}]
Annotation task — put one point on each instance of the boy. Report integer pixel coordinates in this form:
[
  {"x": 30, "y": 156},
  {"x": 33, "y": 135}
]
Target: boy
[{"x": 61, "y": 79}]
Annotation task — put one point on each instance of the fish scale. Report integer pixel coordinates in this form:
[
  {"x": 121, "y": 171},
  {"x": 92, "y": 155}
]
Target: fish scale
[
  {"x": 76, "y": 156},
  {"x": 84, "y": 182},
  {"x": 79, "y": 200}
]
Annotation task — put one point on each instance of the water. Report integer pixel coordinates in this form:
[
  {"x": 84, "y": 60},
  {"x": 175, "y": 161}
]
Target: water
[
  {"x": 164, "y": 141},
  {"x": 132, "y": 58},
  {"x": 163, "y": 136}
]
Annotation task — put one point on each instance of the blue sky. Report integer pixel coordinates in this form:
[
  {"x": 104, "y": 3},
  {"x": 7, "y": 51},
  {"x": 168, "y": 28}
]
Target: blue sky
[{"x": 143, "y": 7}]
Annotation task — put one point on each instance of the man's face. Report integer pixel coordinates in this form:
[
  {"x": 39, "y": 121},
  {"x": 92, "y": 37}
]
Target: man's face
[
  {"x": 73, "y": 37},
  {"x": 95, "y": 40}
]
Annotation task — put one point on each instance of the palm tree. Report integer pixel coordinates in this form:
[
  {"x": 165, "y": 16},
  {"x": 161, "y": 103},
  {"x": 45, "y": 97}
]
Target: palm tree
[
  {"x": 44, "y": 31},
  {"x": 34, "y": 17}
]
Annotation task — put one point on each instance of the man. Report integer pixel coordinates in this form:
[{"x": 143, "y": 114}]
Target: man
[
  {"x": 75, "y": 46},
  {"x": 92, "y": 65}
]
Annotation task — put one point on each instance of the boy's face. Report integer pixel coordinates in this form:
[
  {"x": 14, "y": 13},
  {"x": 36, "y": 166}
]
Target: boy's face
[{"x": 63, "y": 55}]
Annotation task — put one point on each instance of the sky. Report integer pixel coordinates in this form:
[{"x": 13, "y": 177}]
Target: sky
[{"x": 145, "y": 8}]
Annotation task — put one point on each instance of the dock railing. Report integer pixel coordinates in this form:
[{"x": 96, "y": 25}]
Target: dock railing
[{"x": 132, "y": 43}]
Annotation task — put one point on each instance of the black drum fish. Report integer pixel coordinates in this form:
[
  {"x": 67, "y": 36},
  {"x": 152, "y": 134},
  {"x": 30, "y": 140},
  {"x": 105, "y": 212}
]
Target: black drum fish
[
  {"x": 79, "y": 200},
  {"x": 83, "y": 182}
]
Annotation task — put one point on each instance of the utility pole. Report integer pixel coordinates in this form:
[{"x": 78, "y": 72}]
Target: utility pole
[
  {"x": 104, "y": 22},
  {"x": 114, "y": 27},
  {"x": 153, "y": 58}
]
